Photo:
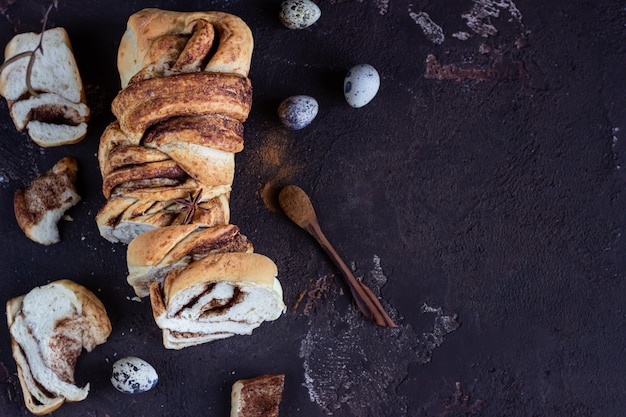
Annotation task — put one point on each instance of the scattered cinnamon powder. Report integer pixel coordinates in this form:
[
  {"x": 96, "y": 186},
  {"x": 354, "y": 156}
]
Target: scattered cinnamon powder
[
  {"x": 275, "y": 165},
  {"x": 435, "y": 70},
  {"x": 269, "y": 193},
  {"x": 322, "y": 287},
  {"x": 298, "y": 299},
  {"x": 275, "y": 151},
  {"x": 502, "y": 67}
]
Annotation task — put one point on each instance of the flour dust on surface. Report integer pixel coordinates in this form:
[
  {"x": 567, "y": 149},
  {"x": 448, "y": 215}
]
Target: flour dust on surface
[{"x": 349, "y": 376}]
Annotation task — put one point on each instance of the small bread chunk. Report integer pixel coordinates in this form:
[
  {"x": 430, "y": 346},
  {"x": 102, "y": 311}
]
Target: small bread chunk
[
  {"x": 49, "y": 327},
  {"x": 39, "y": 208},
  {"x": 258, "y": 396},
  {"x": 57, "y": 114}
]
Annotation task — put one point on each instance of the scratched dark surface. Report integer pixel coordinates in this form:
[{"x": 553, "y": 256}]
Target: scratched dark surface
[{"x": 480, "y": 195}]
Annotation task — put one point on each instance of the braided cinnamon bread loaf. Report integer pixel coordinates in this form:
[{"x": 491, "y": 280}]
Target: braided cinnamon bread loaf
[
  {"x": 167, "y": 166},
  {"x": 179, "y": 121}
]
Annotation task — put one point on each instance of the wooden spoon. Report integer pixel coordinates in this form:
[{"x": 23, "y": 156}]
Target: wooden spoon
[{"x": 297, "y": 206}]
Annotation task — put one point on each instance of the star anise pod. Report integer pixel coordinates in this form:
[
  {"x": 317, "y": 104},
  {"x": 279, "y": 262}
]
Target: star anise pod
[{"x": 191, "y": 204}]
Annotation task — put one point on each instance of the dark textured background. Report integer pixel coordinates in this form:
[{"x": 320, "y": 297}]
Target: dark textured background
[{"x": 485, "y": 206}]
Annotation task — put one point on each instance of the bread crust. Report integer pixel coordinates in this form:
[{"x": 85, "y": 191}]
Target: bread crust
[
  {"x": 164, "y": 169},
  {"x": 170, "y": 244},
  {"x": 202, "y": 147},
  {"x": 218, "y": 296},
  {"x": 173, "y": 190},
  {"x": 216, "y": 131},
  {"x": 111, "y": 138},
  {"x": 207, "y": 240},
  {"x": 152, "y": 34},
  {"x": 145, "y": 214},
  {"x": 125, "y": 155},
  {"x": 249, "y": 268},
  {"x": 151, "y": 247},
  {"x": 143, "y": 104}
]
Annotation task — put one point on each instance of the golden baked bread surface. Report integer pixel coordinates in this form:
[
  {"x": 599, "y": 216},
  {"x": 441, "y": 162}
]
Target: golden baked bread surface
[
  {"x": 158, "y": 38},
  {"x": 143, "y": 104}
]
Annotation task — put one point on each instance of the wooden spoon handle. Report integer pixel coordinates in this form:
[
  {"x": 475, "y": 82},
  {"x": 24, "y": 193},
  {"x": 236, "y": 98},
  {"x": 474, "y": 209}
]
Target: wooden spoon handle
[{"x": 365, "y": 299}]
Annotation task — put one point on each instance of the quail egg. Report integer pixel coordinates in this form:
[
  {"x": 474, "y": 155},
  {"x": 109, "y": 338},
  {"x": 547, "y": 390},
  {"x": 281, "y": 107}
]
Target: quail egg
[
  {"x": 361, "y": 85},
  {"x": 133, "y": 375},
  {"x": 299, "y": 14},
  {"x": 297, "y": 112}
]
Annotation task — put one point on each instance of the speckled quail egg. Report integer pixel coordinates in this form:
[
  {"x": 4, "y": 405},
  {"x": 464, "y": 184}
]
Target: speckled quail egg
[
  {"x": 297, "y": 112},
  {"x": 299, "y": 14},
  {"x": 361, "y": 85},
  {"x": 133, "y": 375}
]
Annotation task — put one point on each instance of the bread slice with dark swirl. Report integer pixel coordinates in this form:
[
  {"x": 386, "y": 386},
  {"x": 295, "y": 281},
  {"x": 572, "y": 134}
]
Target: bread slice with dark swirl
[
  {"x": 215, "y": 297},
  {"x": 54, "y": 110}
]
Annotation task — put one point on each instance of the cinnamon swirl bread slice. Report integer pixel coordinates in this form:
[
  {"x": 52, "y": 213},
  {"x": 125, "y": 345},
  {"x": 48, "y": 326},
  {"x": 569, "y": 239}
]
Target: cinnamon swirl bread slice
[
  {"x": 56, "y": 112},
  {"x": 218, "y": 296}
]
